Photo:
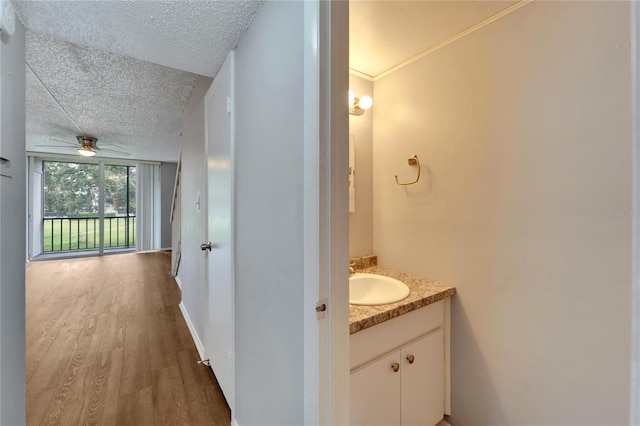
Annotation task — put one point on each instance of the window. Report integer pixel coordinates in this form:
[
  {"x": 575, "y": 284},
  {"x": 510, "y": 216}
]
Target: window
[{"x": 72, "y": 221}]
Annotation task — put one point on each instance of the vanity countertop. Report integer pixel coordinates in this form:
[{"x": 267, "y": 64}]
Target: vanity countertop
[{"x": 423, "y": 293}]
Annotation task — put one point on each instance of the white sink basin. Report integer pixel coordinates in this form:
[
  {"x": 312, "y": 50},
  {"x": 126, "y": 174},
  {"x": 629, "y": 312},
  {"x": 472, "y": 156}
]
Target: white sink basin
[{"x": 372, "y": 289}]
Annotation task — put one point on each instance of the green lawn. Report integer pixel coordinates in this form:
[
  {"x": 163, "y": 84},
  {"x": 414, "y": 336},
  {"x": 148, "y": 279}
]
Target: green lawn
[{"x": 83, "y": 234}]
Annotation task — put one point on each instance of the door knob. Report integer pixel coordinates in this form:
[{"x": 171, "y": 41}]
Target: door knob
[{"x": 206, "y": 246}]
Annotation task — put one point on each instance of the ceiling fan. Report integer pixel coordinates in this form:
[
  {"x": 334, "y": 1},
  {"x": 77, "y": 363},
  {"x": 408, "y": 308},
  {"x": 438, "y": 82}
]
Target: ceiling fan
[{"x": 87, "y": 146}]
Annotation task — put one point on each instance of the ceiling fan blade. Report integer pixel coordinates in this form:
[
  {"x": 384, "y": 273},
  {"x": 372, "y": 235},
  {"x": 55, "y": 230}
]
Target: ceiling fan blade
[
  {"x": 57, "y": 146},
  {"x": 63, "y": 141},
  {"x": 114, "y": 151}
]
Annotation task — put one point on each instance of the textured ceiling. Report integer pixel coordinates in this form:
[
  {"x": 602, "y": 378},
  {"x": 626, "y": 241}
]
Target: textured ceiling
[
  {"x": 192, "y": 36},
  {"x": 124, "y": 102},
  {"x": 383, "y": 34},
  {"x": 122, "y": 70}
]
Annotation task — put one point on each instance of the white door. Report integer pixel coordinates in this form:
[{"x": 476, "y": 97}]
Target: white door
[{"x": 219, "y": 327}]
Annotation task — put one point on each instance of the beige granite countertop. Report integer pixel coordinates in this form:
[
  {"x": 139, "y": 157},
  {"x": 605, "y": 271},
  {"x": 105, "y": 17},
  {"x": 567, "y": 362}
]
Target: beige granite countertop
[{"x": 423, "y": 293}]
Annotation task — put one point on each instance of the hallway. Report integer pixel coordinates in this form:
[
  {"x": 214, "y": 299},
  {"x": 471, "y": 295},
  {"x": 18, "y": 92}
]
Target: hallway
[{"x": 106, "y": 344}]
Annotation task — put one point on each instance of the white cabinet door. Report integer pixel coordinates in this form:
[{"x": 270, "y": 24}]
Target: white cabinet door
[
  {"x": 422, "y": 383},
  {"x": 375, "y": 393}
]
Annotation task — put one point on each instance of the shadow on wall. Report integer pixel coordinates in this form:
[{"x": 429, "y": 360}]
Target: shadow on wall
[{"x": 469, "y": 366}]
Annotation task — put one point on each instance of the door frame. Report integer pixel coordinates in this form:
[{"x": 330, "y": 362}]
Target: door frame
[
  {"x": 326, "y": 221},
  {"x": 634, "y": 414}
]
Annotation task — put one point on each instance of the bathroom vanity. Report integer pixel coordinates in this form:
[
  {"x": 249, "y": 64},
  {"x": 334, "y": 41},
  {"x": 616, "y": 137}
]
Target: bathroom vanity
[{"x": 400, "y": 355}]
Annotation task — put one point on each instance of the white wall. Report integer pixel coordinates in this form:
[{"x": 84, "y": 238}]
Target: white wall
[
  {"x": 167, "y": 181},
  {"x": 523, "y": 129},
  {"x": 269, "y": 229},
  {"x": 361, "y": 127},
  {"x": 193, "y": 184},
  {"x": 13, "y": 213}
]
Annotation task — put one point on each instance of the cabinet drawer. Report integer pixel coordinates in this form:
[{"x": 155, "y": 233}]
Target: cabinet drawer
[{"x": 375, "y": 341}]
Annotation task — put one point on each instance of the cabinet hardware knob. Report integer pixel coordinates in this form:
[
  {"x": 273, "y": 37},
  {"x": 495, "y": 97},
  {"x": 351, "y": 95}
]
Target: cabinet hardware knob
[
  {"x": 395, "y": 367},
  {"x": 410, "y": 358}
]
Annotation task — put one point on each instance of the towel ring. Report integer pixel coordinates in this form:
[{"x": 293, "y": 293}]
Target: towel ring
[{"x": 412, "y": 161}]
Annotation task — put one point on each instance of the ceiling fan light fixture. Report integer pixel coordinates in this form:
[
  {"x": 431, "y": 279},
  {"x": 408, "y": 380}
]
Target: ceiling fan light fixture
[
  {"x": 87, "y": 145},
  {"x": 86, "y": 152}
]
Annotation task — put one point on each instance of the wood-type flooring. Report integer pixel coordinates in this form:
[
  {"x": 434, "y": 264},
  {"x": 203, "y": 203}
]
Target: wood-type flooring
[{"x": 106, "y": 344}]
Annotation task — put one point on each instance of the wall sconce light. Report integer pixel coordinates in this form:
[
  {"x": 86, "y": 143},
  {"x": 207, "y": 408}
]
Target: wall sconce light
[{"x": 357, "y": 106}]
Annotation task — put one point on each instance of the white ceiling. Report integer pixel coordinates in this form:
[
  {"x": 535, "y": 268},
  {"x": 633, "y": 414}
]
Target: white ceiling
[
  {"x": 383, "y": 34},
  {"x": 122, "y": 70},
  {"x": 192, "y": 36},
  {"x": 124, "y": 102}
]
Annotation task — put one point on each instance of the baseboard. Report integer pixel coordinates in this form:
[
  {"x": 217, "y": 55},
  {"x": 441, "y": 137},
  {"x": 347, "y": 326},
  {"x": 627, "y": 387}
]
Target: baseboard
[
  {"x": 151, "y": 251},
  {"x": 192, "y": 330},
  {"x": 233, "y": 421},
  {"x": 177, "y": 278}
]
